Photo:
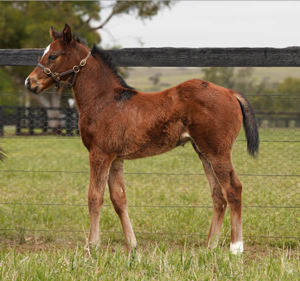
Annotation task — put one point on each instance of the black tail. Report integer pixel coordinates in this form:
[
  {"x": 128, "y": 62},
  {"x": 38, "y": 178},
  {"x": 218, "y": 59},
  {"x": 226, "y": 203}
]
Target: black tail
[
  {"x": 250, "y": 125},
  {"x": 2, "y": 155}
]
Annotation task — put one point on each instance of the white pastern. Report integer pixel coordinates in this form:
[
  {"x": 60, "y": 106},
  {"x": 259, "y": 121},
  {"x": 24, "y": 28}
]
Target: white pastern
[{"x": 237, "y": 247}]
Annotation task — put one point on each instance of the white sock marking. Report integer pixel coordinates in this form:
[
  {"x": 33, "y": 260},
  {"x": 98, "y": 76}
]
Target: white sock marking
[{"x": 237, "y": 247}]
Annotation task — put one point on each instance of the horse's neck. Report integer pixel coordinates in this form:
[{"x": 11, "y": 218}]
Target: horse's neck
[{"x": 94, "y": 86}]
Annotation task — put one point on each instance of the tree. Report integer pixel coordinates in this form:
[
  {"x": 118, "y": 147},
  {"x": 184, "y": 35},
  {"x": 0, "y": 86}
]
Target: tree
[
  {"x": 223, "y": 76},
  {"x": 237, "y": 78},
  {"x": 155, "y": 79},
  {"x": 288, "y": 99},
  {"x": 25, "y": 24}
]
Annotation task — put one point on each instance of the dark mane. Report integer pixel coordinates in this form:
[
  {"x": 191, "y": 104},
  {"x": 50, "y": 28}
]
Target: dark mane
[{"x": 125, "y": 92}]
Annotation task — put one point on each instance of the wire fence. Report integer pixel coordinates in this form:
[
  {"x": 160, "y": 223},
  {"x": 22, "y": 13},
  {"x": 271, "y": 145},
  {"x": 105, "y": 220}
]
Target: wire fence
[{"x": 42, "y": 181}]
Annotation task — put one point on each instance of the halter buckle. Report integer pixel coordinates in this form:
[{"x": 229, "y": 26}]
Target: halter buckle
[
  {"x": 47, "y": 71},
  {"x": 76, "y": 68},
  {"x": 82, "y": 63}
]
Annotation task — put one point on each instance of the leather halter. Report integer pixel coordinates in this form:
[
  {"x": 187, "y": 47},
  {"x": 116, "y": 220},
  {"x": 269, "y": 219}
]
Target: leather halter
[{"x": 57, "y": 76}]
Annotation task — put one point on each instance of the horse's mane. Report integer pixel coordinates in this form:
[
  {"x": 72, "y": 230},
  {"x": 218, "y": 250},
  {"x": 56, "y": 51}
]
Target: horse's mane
[{"x": 125, "y": 92}]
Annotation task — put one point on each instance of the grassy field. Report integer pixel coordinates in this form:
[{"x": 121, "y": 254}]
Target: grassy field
[
  {"x": 44, "y": 218},
  {"x": 171, "y": 76}
]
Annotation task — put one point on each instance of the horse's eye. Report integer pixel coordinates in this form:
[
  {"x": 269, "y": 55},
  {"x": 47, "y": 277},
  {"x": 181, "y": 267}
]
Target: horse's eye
[{"x": 53, "y": 57}]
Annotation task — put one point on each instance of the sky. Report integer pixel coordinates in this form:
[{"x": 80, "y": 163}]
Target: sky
[{"x": 211, "y": 24}]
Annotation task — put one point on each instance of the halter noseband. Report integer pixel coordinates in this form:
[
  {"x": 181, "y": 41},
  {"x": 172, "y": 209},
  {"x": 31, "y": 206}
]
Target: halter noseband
[{"x": 56, "y": 76}]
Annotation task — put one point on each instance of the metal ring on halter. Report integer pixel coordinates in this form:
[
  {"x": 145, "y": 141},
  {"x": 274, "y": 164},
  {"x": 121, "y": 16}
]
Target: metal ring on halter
[
  {"x": 47, "y": 71},
  {"x": 82, "y": 63},
  {"x": 76, "y": 68}
]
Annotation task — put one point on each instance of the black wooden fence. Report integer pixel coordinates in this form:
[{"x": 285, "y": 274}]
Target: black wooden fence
[
  {"x": 177, "y": 57},
  {"x": 36, "y": 120}
]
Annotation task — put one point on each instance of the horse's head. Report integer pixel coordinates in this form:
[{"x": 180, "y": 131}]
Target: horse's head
[{"x": 61, "y": 60}]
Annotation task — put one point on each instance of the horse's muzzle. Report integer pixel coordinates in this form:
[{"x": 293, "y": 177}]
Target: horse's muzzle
[{"x": 32, "y": 85}]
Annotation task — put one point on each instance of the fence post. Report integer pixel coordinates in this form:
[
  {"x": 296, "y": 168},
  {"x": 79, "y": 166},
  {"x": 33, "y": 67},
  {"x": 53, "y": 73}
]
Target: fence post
[
  {"x": 1, "y": 121},
  {"x": 45, "y": 120},
  {"x": 31, "y": 120},
  {"x": 76, "y": 122},
  {"x": 19, "y": 120},
  {"x": 69, "y": 126}
]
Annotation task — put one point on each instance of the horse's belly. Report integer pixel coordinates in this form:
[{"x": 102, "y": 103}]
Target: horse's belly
[{"x": 137, "y": 148}]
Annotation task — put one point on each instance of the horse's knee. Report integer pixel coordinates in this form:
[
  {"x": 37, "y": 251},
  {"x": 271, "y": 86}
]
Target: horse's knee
[
  {"x": 95, "y": 201},
  {"x": 118, "y": 199}
]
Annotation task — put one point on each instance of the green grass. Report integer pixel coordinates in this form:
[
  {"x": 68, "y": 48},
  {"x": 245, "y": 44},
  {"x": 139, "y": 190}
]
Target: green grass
[
  {"x": 44, "y": 218},
  {"x": 152, "y": 262}
]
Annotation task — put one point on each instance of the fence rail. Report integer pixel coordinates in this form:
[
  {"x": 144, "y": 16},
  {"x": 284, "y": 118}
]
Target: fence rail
[{"x": 176, "y": 57}]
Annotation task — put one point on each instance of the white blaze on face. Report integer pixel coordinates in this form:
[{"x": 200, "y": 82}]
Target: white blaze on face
[{"x": 46, "y": 50}]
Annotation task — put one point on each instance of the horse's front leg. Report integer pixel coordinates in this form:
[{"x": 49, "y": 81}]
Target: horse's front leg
[
  {"x": 118, "y": 197},
  {"x": 99, "y": 170}
]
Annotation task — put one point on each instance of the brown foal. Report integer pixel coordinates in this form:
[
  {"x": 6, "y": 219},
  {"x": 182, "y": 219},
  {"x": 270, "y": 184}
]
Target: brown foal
[{"x": 117, "y": 122}]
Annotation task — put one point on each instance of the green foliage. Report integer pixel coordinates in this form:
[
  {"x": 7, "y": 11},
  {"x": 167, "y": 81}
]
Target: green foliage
[
  {"x": 290, "y": 90},
  {"x": 239, "y": 79},
  {"x": 282, "y": 97},
  {"x": 7, "y": 85},
  {"x": 144, "y": 9},
  {"x": 26, "y": 24},
  {"x": 223, "y": 76}
]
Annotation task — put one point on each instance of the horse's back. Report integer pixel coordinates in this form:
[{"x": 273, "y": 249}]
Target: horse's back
[
  {"x": 150, "y": 124},
  {"x": 208, "y": 113}
]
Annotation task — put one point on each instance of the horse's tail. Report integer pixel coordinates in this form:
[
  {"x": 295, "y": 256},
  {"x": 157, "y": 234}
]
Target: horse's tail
[
  {"x": 2, "y": 155},
  {"x": 250, "y": 125}
]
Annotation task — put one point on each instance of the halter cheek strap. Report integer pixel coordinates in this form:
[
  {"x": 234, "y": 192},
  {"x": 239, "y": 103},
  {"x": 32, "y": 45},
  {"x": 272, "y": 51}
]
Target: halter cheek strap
[{"x": 56, "y": 76}]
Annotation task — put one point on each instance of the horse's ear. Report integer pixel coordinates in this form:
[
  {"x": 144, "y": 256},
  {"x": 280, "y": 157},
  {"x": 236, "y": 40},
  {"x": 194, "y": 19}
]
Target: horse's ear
[
  {"x": 67, "y": 34},
  {"x": 54, "y": 34}
]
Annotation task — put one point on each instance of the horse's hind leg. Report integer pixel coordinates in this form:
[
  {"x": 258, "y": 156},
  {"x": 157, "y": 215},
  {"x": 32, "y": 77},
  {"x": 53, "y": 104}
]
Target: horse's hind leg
[
  {"x": 232, "y": 191},
  {"x": 118, "y": 197},
  {"x": 226, "y": 189},
  {"x": 219, "y": 203}
]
